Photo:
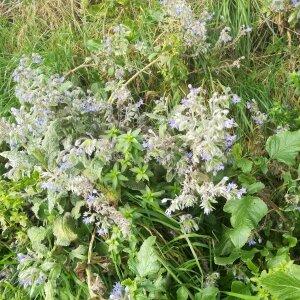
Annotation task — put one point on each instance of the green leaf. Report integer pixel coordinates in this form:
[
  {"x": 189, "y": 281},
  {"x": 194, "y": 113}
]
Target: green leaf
[
  {"x": 227, "y": 260},
  {"x": 284, "y": 146},
  {"x": 63, "y": 229},
  {"x": 245, "y": 216},
  {"x": 147, "y": 262},
  {"x": 182, "y": 293},
  {"x": 93, "y": 46},
  {"x": 255, "y": 187},
  {"x": 239, "y": 235},
  {"x": 76, "y": 209},
  {"x": 36, "y": 234},
  {"x": 245, "y": 165},
  {"x": 239, "y": 287},
  {"x": 209, "y": 293},
  {"x": 51, "y": 143},
  {"x": 244, "y": 297},
  {"x": 282, "y": 284},
  {"x": 80, "y": 252},
  {"x": 49, "y": 291}
]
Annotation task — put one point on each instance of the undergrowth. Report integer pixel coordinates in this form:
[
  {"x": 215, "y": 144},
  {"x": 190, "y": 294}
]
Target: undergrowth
[{"x": 149, "y": 149}]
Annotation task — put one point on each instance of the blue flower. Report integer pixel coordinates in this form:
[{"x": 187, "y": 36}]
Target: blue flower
[
  {"x": 102, "y": 231},
  {"x": 231, "y": 186},
  {"x": 251, "y": 242},
  {"x": 235, "y": 99},
  {"x": 241, "y": 192},
  {"x": 229, "y": 123},
  {"x": 229, "y": 140},
  {"x": 206, "y": 156},
  {"x": 90, "y": 198},
  {"x": 295, "y": 3},
  {"x": 117, "y": 292},
  {"x": 173, "y": 124},
  {"x": 22, "y": 257}
]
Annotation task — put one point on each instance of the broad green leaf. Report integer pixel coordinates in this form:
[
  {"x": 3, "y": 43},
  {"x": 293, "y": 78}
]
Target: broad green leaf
[
  {"x": 93, "y": 46},
  {"x": 240, "y": 235},
  {"x": 147, "y": 262},
  {"x": 292, "y": 241},
  {"x": 284, "y": 146},
  {"x": 245, "y": 165},
  {"x": 182, "y": 293},
  {"x": 244, "y": 297},
  {"x": 239, "y": 287},
  {"x": 80, "y": 252},
  {"x": 282, "y": 284},
  {"x": 36, "y": 234},
  {"x": 209, "y": 293},
  {"x": 49, "y": 291},
  {"x": 227, "y": 260},
  {"x": 63, "y": 229},
  {"x": 245, "y": 216},
  {"x": 76, "y": 209},
  {"x": 255, "y": 187}
]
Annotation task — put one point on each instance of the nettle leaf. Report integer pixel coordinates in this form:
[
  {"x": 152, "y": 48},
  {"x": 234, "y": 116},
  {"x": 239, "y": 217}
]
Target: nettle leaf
[
  {"x": 245, "y": 216},
  {"x": 282, "y": 283},
  {"x": 63, "y": 229},
  {"x": 147, "y": 261},
  {"x": 284, "y": 146}
]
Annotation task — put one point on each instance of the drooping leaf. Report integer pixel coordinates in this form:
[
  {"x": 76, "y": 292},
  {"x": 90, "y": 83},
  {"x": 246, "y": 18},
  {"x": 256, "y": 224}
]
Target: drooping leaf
[
  {"x": 227, "y": 260},
  {"x": 284, "y": 146},
  {"x": 147, "y": 262}
]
